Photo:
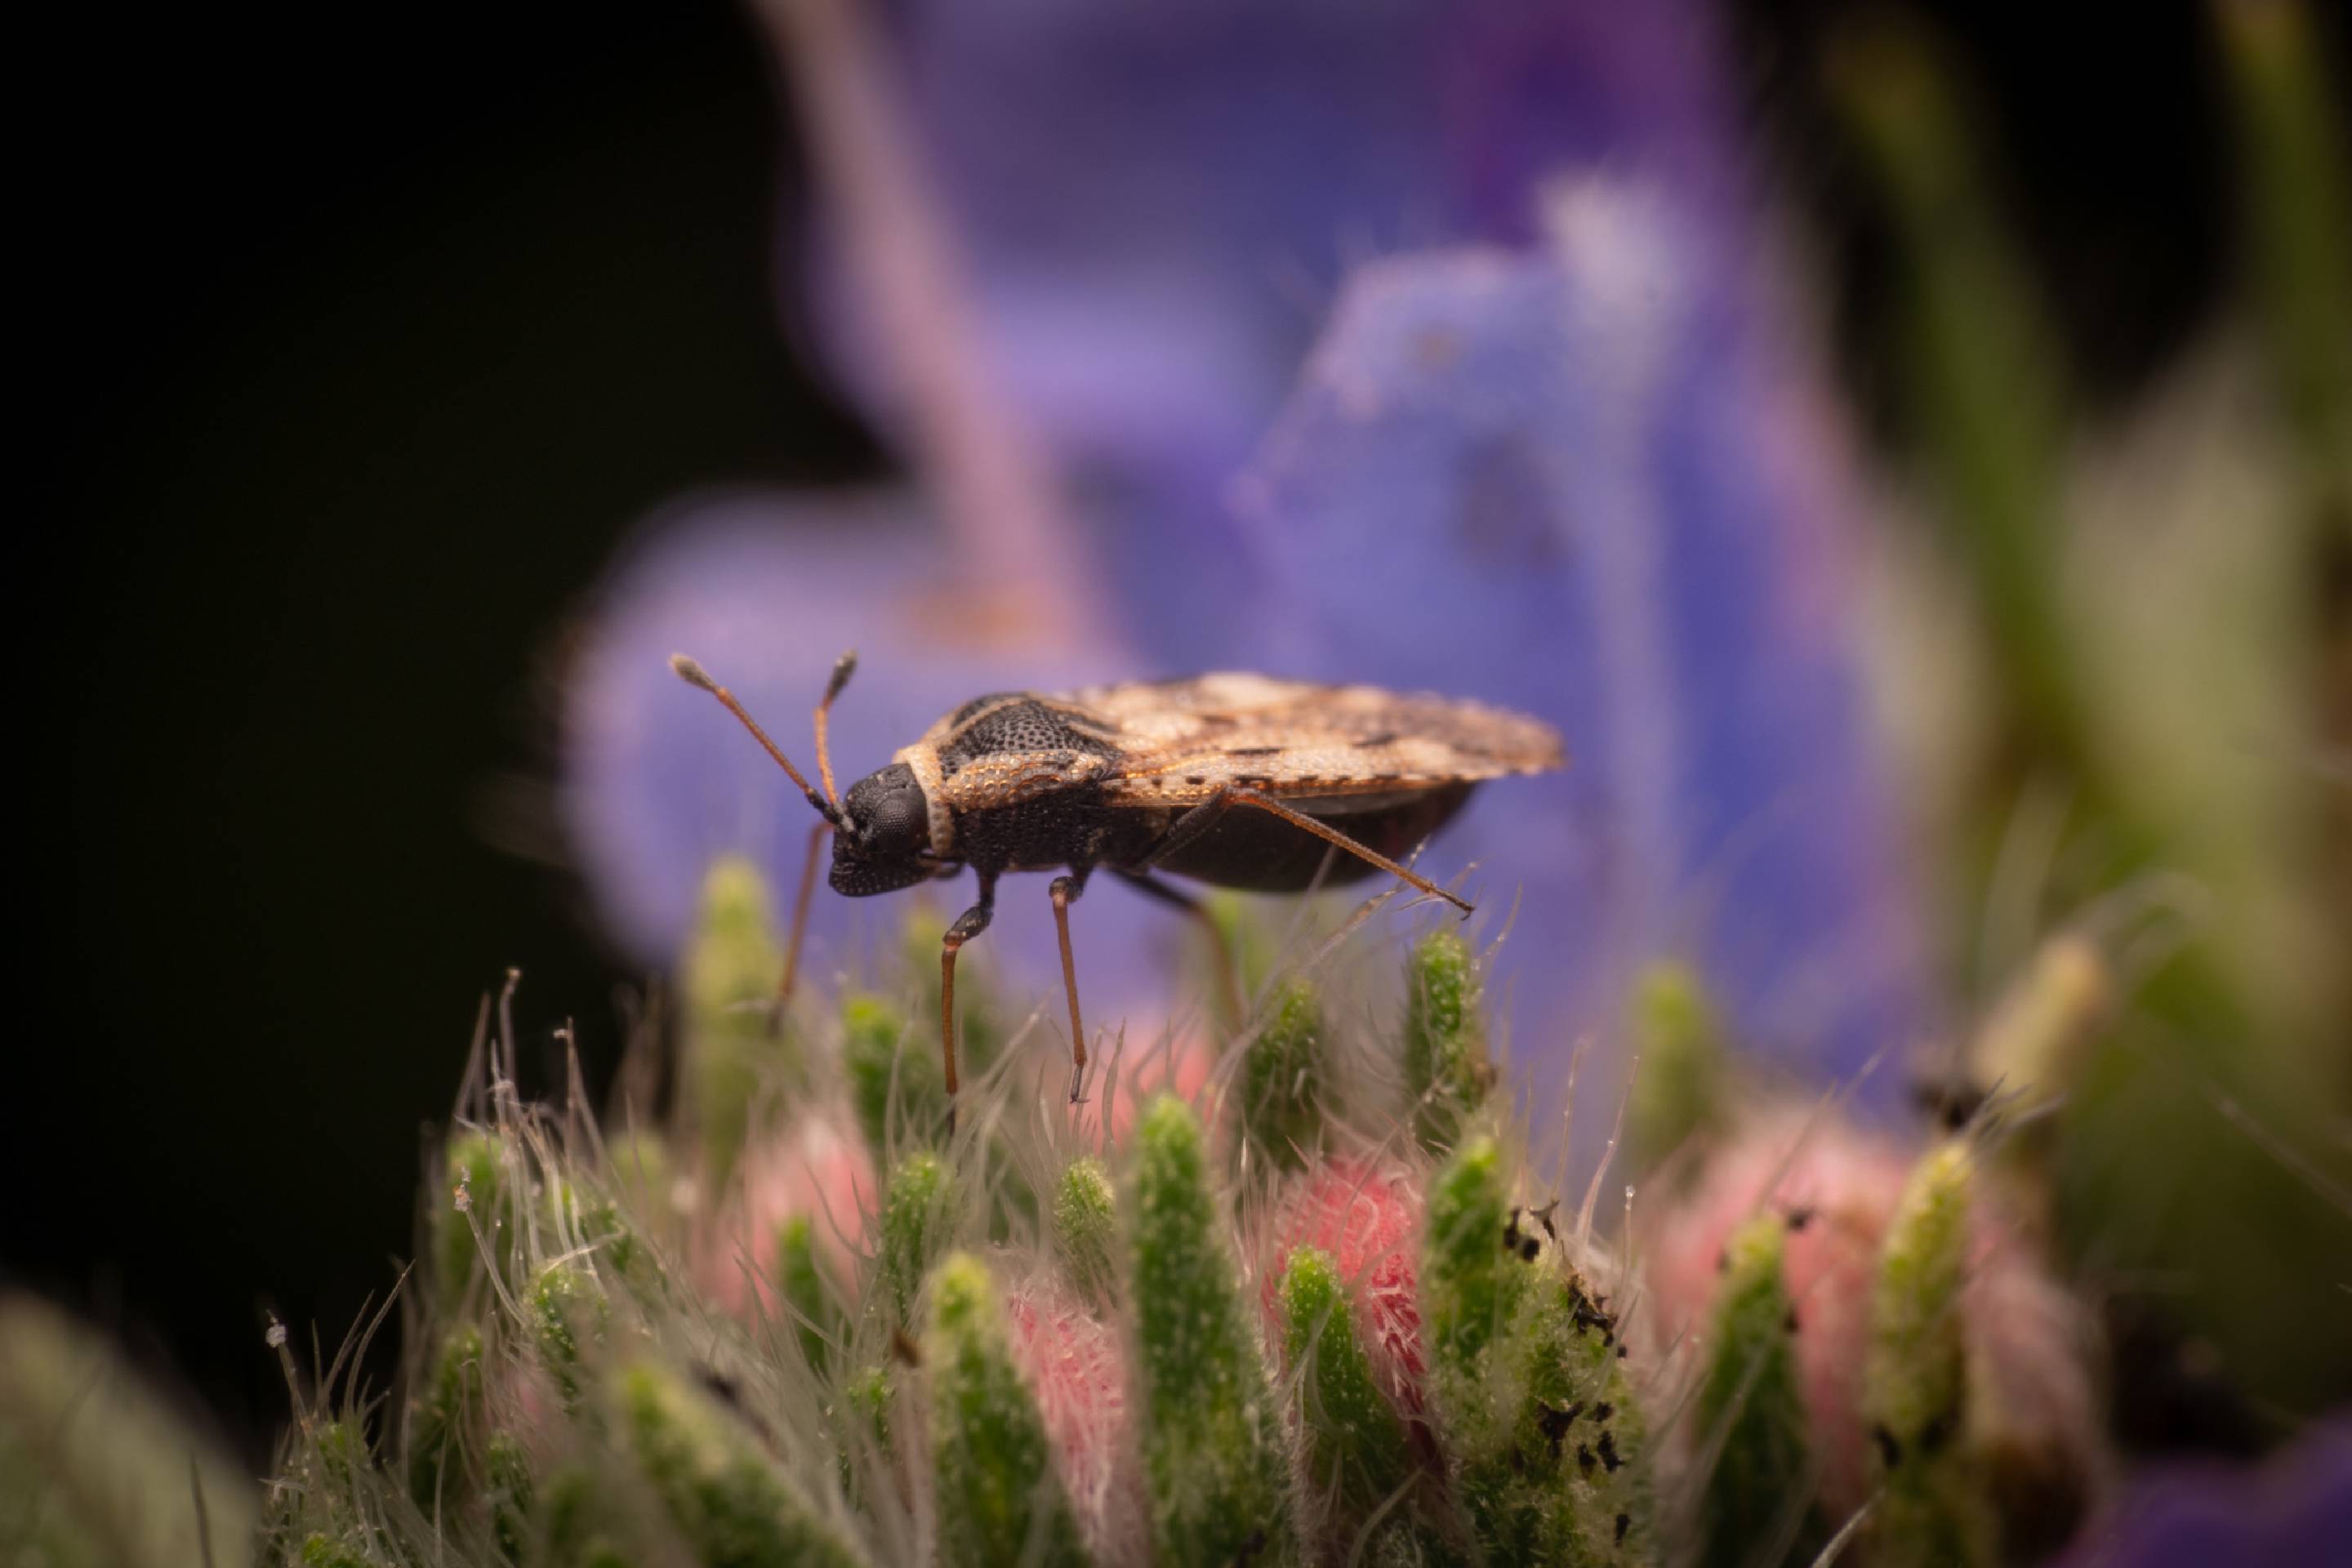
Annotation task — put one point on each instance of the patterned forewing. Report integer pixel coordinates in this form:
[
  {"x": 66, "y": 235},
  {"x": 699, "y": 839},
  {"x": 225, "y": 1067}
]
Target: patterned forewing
[{"x": 1179, "y": 741}]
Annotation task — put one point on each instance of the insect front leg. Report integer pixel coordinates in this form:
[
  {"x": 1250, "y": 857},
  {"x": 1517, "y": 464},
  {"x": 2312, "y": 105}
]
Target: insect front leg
[
  {"x": 800, "y": 921},
  {"x": 1065, "y": 891},
  {"x": 1229, "y": 979},
  {"x": 969, "y": 924},
  {"x": 1189, "y": 828}
]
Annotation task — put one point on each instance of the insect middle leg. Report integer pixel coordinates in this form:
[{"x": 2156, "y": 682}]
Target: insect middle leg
[
  {"x": 969, "y": 924},
  {"x": 1229, "y": 978},
  {"x": 1065, "y": 891},
  {"x": 1190, "y": 826}
]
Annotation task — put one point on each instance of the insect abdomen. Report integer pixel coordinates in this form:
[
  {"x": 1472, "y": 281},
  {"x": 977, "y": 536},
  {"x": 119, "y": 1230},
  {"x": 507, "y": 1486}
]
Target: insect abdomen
[{"x": 1256, "y": 852}]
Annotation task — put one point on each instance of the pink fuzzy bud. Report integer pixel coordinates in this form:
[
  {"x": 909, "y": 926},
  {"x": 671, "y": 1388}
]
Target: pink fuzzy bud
[
  {"x": 1078, "y": 1367},
  {"x": 2032, "y": 1401},
  {"x": 815, "y": 1164},
  {"x": 1367, "y": 1216},
  {"x": 1120, "y": 1088}
]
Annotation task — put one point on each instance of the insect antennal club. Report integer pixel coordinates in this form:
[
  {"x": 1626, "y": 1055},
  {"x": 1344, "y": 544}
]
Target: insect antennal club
[
  {"x": 842, "y": 668},
  {"x": 690, "y": 671}
]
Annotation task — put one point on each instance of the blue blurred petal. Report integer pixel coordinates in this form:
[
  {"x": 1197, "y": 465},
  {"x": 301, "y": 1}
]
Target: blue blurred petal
[
  {"x": 1156, "y": 205},
  {"x": 2295, "y": 1512},
  {"x": 1564, "y": 481}
]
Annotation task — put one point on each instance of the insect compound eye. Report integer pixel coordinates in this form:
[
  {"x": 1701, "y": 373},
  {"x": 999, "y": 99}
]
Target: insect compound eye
[
  {"x": 899, "y": 823},
  {"x": 892, "y": 817}
]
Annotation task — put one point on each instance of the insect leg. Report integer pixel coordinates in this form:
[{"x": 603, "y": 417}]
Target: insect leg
[
  {"x": 800, "y": 921},
  {"x": 1203, "y": 816},
  {"x": 1229, "y": 979},
  {"x": 1065, "y": 891},
  {"x": 969, "y": 924}
]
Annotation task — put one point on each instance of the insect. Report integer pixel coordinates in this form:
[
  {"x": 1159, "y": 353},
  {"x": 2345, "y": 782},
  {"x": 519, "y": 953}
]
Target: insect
[{"x": 1238, "y": 781}]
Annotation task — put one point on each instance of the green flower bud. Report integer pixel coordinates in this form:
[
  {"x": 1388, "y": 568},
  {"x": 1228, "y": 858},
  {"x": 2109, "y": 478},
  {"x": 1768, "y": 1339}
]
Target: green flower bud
[
  {"x": 735, "y": 1055},
  {"x": 470, "y": 1218},
  {"x": 1211, "y": 1442},
  {"x": 580, "y": 1527},
  {"x": 895, "y": 1082},
  {"x": 1446, "y": 1069},
  {"x": 1248, "y": 948},
  {"x": 1546, "y": 1441},
  {"x": 1086, "y": 1230},
  {"x": 321, "y": 1550},
  {"x": 729, "y": 1502},
  {"x": 814, "y": 1303},
  {"x": 446, "y": 1424},
  {"x": 1354, "y": 1445},
  {"x": 917, "y": 1222},
  {"x": 1678, "y": 1092},
  {"x": 999, "y": 1500},
  {"x": 508, "y": 1483},
  {"x": 564, "y": 1308},
  {"x": 1471, "y": 1283},
  {"x": 1933, "y": 1509},
  {"x": 2038, "y": 1040},
  {"x": 1751, "y": 1415},
  {"x": 1285, "y": 1070}
]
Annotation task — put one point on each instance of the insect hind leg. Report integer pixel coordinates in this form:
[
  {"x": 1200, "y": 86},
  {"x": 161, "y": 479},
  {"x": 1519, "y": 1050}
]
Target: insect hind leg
[
  {"x": 1065, "y": 892},
  {"x": 1189, "y": 828}
]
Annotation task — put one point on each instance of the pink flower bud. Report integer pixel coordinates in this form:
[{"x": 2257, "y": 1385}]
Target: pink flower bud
[
  {"x": 815, "y": 1164},
  {"x": 1078, "y": 1367},
  {"x": 1120, "y": 1088},
  {"x": 1367, "y": 1216},
  {"x": 2032, "y": 1406}
]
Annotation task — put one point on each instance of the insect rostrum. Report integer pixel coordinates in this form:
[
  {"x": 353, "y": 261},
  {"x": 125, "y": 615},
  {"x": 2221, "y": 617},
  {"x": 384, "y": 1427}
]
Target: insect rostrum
[{"x": 1143, "y": 778}]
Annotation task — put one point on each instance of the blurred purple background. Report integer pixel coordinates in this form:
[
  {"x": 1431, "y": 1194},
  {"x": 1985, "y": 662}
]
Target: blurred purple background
[{"x": 1431, "y": 350}]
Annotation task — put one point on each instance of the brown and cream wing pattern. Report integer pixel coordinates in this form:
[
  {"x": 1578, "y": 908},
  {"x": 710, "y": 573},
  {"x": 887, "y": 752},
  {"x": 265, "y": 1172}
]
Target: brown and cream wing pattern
[{"x": 1179, "y": 740}]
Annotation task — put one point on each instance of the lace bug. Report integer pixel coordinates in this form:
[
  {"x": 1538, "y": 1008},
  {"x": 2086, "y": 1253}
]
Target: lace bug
[{"x": 1238, "y": 781}]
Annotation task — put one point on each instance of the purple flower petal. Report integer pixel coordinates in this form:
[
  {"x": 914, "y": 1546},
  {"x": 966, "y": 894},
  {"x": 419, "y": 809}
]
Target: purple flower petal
[
  {"x": 1156, "y": 205},
  {"x": 2295, "y": 1512},
  {"x": 1561, "y": 482}
]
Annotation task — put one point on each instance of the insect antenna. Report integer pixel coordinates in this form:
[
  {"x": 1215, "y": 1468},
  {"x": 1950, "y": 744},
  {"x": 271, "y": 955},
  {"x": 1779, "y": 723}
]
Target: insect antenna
[
  {"x": 693, "y": 673},
  {"x": 842, "y": 668}
]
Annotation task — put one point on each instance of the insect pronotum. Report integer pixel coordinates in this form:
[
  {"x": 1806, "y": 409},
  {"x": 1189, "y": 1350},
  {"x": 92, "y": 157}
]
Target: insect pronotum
[{"x": 1143, "y": 778}]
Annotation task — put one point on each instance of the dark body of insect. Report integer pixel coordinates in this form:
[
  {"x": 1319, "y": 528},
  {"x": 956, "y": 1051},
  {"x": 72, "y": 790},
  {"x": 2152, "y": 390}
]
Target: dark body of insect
[{"x": 1239, "y": 781}]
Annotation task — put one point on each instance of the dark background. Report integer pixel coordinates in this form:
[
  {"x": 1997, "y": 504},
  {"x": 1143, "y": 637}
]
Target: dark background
[{"x": 361, "y": 336}]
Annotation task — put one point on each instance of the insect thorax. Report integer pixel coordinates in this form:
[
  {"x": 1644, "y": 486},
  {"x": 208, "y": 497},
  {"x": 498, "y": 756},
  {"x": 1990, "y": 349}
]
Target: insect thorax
[
  {"x": 1013, "y": 724},
  {"x": 1013, "y": 772},
  {"x": 1070, "y": 826}
]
